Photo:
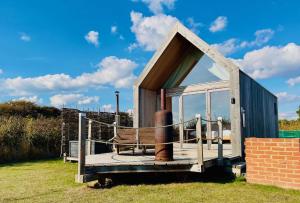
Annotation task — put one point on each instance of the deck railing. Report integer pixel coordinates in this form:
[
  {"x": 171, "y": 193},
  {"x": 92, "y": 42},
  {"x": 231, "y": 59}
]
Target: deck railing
[{"x": 83, "y": 138}]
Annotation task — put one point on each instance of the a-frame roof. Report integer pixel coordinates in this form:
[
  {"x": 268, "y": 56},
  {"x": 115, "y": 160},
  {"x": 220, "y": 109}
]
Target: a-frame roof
[{"x": 166, "y": 59}]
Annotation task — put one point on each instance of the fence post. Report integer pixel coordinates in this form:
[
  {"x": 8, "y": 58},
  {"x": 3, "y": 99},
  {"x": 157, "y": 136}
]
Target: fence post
[
  {"x": 220, "y": 141},
  {"x": 81, "y": 148},
  {"x": 181, "y": 124},
  {"x": 116, "y": 124},
  {"x": 90, "y": 137},
  {"x": 199, "y": 142},
  {"x": 208, "y": 134},
  {"x": 137, "y": 137}
]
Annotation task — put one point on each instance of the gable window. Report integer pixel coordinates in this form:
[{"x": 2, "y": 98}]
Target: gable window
[
  {"x": 195, "y": 67},
  {"x": 205, "y": 70}
]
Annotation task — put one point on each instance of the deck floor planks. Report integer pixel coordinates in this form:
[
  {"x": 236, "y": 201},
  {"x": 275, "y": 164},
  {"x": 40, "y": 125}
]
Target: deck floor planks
[{"x": 187, "y": 155}]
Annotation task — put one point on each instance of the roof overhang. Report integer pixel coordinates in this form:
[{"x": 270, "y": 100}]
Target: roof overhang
[{"x": 167, "y": 58}]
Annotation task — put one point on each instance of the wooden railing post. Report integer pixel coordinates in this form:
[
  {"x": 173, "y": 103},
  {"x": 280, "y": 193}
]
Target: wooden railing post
[
  {"x": 199, "y": 142},
  {"x": 116, "y": 124},
  {"x": 137, "y": 137},
  {"x": 81, "y": 147},
  {"x": 220, "y": 141},
  {"x": 90, "y": 137},
  {"x": 181, "y": 124}
]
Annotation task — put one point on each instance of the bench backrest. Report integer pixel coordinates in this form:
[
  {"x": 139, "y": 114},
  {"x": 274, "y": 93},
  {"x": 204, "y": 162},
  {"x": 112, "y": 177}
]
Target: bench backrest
[
  {"x": 126, "y": 134},
  {"x": 146, "y": 135}
]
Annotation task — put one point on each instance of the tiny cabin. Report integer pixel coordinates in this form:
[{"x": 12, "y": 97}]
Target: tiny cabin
[
  {"x": 214, "y": 105},
  {"x": 199, "y": 80}
]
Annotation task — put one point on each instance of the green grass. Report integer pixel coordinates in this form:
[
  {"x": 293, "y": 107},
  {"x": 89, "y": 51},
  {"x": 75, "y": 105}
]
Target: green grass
[{"x": 53, "y": 181}]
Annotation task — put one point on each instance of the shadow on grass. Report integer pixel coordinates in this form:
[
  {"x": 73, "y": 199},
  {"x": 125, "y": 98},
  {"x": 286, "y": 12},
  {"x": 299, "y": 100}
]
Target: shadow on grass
[{"x": 212, "y": 175}]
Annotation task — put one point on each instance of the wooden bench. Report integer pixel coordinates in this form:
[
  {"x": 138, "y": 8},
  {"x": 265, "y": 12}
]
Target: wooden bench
[
  {"x": 126, "y": 139},
  {"x": 146, "y": 137}
]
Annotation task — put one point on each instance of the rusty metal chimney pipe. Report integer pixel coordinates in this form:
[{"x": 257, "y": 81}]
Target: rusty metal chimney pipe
[
  {"x": 163, "y": 99},
  {"x": 163, "y": 152},
  {"x": 117, "y": 102}
]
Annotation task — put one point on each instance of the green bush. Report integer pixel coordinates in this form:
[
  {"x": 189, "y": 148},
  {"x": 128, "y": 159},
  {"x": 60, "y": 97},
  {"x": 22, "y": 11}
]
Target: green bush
[
  {"x": 13, "y": 140},
  {"x": 289, "y": 125},
  {"x": 23, "y": 138},
  {"x": 27, "y": 109},
  {"x": 28, "y": 131},
  {"x": 43, "y": 135}
]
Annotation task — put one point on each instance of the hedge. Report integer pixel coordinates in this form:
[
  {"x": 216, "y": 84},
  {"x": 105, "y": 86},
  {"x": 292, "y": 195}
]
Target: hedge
[{"x": 24, "y": 138}]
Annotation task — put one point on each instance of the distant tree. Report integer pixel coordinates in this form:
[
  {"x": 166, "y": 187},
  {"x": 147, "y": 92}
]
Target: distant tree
[{"x": 298, "y": 112}]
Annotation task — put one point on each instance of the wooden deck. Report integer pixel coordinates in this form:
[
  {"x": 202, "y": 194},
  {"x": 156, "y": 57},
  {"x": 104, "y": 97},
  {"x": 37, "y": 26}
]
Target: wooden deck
[
  {"x": 185, "y": 159},
  {"x": 186, "y": 155}
]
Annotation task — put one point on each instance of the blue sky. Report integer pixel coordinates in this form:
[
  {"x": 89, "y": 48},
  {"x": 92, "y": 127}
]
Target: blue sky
[{"x": 78, "y": 53}]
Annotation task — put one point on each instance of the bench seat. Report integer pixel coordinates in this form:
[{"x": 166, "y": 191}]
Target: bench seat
[{"x": 146, "y": 139}]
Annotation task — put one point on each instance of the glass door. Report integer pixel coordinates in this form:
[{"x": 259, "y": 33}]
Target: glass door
[
  {"x": 210, "y": 104},
  {"x": 220, "y": 107},
  {"x": 192, "y": 104}
]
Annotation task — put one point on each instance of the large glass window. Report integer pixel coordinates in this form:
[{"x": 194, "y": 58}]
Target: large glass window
[
  {"x": 220, "y": 107},
  {"x": 175, "y": 109},
  {"x": 175, "y": 114},
  {"x": 193, "y": 104},
  {"x": 205, "y": 70},
  {"x": 196, "y": 67}
]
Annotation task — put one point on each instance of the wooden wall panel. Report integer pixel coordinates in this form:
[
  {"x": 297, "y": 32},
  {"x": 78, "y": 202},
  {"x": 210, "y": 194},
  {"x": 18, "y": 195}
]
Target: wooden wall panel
[
  {"x": 147, "y": 107},
  {"x": 261, "y": 116}
]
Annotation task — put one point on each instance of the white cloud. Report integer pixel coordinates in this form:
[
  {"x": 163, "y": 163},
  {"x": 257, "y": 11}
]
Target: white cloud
[
  {"x": 25, "y": 37},
  {"x": 33, "y": 99},
  {"x": 132, "y": 46},
  {"x": 293, "y": 81},
  {"x": 157, "y": 6},
  {"x": 92, "y": 37},
  {"x": 193, "y": 25},
  {"x": 88, "y": 100},
  {"x": 288, "y": 100},
  {"x": 227, "y": 47},
  {"x": 1, "y": 71},
  {"x": 60, "y": 100},
  {"x": 285, "y": 97},
  {"x": 114, "y": 71},
  {"x": 271, "y": 61},
  {"x": 113, "y": 29},
  {"x": 219, "y": 24},
  {"x": 261, "y": 37},
  {"x": 289, "y": 115},
  {"x": 107, "y": 108},
  {"x": 232, "y": 45},
  {"x": 151, "y": 31}
]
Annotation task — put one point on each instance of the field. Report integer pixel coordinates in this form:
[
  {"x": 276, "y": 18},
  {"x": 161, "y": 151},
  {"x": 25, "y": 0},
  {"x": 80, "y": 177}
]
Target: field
[{"x": 53, "y": 181}]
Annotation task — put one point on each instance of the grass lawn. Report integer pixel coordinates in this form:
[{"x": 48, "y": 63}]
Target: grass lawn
[{"x": 53, "y": 181}]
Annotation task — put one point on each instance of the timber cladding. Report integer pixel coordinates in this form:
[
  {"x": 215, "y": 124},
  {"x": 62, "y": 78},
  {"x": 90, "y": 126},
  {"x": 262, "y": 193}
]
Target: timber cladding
[{"x": 273, "y": 161}]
